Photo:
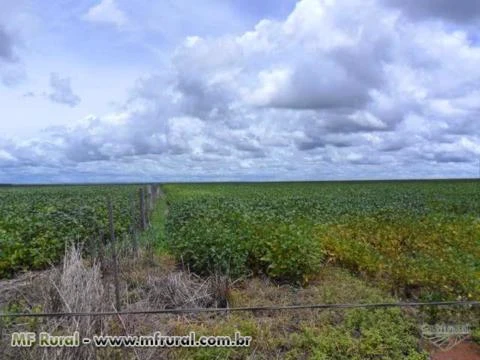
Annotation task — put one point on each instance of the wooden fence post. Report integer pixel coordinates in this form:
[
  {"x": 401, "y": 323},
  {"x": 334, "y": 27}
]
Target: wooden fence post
[
  {"x": 133, "y": 231},
  {"x": 91, "y": 247},
  {"x": 143, "y": 219},
  {"x": 114, "y": 254},
  {"x": 101, "y": 251}
]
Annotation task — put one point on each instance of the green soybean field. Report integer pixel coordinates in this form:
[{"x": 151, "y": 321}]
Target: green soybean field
[
  {"x": 37, "y": 221},
  {"x": 413, "y": 238},
  {"x": 249, "y": 245}
]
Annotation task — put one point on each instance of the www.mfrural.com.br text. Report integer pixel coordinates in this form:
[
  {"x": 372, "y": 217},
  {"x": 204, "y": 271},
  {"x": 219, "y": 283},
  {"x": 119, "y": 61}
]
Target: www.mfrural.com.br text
[{"x": 45, "y": 339}]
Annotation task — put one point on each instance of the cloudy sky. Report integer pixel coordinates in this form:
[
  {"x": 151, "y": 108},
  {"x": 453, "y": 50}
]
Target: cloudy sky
[{"x": 180, "y": 90}]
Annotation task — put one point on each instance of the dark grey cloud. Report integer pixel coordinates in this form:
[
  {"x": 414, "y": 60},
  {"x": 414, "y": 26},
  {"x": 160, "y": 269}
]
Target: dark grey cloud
[
  {"x": 11, "y": 70},
  {"x": 200, "y": 98},
  {"x": 311, "y": 142},
  {"x": 394, "y": 146},
  {"x": 250, "y": 147},
  {"x": 7, "y": 52},
  {"x": 337, "y": 79},
  {"x": 323, "y": 85},
  {"x": 453, "y": 158},
  {"x": 61, "y": 91},
  {"x": 306, "y": 144},
  {"x": 460, "y": 11}
]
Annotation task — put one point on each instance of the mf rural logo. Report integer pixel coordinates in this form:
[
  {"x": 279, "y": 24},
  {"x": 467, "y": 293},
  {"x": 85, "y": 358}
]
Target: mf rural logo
[{"x": 445, "y": 337}]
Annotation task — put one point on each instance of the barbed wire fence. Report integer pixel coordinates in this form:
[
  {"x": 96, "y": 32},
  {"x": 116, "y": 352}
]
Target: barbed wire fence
[
  {"x": 342, "y": 306},
  {"x": 108, "y": 251}
]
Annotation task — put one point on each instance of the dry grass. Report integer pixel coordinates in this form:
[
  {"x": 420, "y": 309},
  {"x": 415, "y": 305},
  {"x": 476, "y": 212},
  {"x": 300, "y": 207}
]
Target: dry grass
[
  {"x": 178, "y": 290},
  {"x": 73, "y": 288},
  {"x": 155, "y": 282},
  {"x": 21, "y": 288}
]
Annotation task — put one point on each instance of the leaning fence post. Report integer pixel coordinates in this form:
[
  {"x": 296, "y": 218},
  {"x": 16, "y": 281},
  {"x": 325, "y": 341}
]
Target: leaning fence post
[{"x": 114, "y": 254}]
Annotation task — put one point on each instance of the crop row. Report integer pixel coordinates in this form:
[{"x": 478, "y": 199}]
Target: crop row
[
  {"x": 37, "y": 222},
  {"x": 418, "y": 238}
]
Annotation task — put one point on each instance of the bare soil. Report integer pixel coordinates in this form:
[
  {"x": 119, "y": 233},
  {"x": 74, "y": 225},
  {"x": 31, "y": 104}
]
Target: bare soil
[{"x": 464, "y": 351}]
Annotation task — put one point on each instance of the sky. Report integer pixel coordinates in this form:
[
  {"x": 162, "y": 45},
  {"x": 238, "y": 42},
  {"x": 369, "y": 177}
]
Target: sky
[{"x": 246, "y": 90}]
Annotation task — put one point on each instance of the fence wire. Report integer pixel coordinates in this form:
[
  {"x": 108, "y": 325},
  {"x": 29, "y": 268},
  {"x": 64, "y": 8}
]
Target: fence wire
[{"x": 247, "y": 309}]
